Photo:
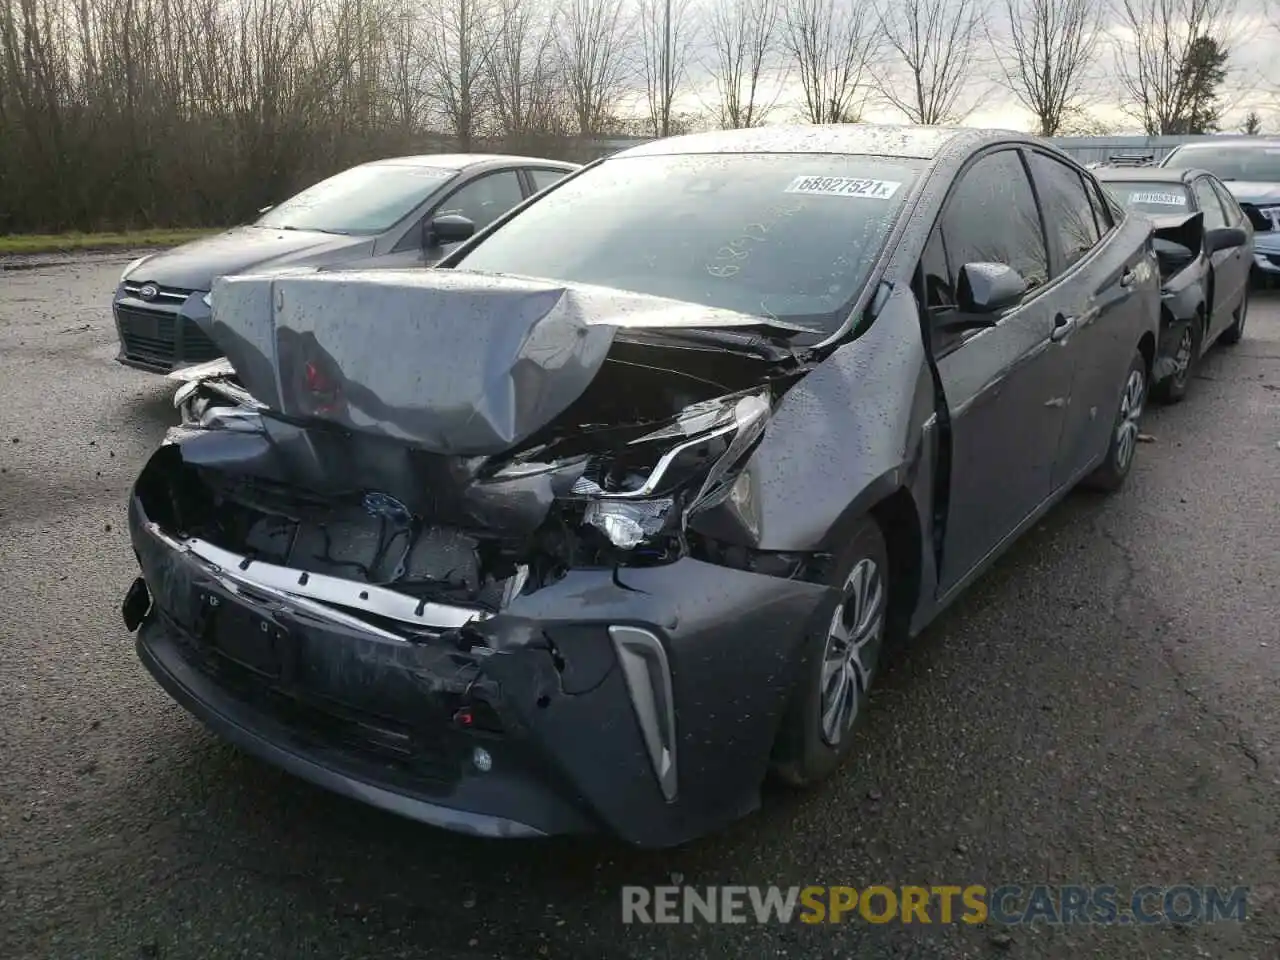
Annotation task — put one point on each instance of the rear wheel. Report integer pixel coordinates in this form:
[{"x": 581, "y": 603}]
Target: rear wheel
[
  {"x": 841, "y": 657},
  {"x": 1235, "y": 332},
  {"x": 1123, "y": 445},
  {"x": 1173, "y": 388}
]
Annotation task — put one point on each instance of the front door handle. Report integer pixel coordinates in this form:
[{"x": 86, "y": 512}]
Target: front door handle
[
  {"x": 1127, "y": 278},
  {"x": 1062, "y": 327}
]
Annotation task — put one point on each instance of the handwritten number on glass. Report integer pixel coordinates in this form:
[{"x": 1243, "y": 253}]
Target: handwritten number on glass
[{"x": 738, "y": 249}]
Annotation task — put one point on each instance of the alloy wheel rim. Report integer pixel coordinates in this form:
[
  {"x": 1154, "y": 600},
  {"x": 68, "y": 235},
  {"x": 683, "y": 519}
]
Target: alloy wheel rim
[
  {"x": 857, "y": 621},
  {"x": 1130, "y": 415}
]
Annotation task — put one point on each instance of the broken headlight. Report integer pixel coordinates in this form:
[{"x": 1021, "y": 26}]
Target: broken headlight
[{"x": 657, "y": 480}]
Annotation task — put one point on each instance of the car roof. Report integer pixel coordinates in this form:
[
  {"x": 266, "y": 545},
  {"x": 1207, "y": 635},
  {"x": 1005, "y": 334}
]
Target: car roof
[
  {"x": 1154, "y": 174},
  {"x": 461, "y": 161},
  {"x": 855, "y": 139}
]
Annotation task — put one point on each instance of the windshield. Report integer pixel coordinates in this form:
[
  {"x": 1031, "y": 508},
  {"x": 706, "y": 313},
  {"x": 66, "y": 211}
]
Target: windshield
[
  {"x": 366, "y": 199},
  {"x": 783, "y": 236},
  {"x": 1245, "y": 162},
  {"x": 1160, "y": 199}
]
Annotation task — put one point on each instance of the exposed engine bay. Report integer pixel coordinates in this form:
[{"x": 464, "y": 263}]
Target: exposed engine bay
[{"x": 657, "y": 437}]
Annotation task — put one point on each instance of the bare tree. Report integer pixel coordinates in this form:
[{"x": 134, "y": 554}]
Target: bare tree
[
  {"x": 593, "y": 60},
  {"x": 933, "y": 42},
  {"x": 666, "y": 31},
  {"x": 160, "y": 113},
  {"x": 522, "y": 68},
  {"x": 406, "y": 70},
  {"x": 743, "y": 36},
  {"x": 1155, "y": 43},
  {"x": 1047, "y": 55},
  {"x": 830, "y": 43},
  {"x": 458, "y": 37},
  {"x": 1081, "y": 123}
]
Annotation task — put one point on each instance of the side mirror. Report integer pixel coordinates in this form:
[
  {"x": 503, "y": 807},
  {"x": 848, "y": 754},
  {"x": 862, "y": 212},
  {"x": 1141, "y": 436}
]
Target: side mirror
[
  {"x": 1224, "y": 238},
  {"x": 985, "y": 288},
  {"x": 445, "y": 229}
]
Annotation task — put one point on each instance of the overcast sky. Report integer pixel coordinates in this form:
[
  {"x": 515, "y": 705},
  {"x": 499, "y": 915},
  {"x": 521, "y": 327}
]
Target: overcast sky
[{"x": 1253, "y": 84}]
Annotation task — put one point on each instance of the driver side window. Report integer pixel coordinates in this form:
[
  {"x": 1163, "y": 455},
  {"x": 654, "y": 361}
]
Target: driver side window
[
  {"x": 484, "y": 199},
  {"x": 1210, "y": 204},
  {"x": 991, "y": 217}
]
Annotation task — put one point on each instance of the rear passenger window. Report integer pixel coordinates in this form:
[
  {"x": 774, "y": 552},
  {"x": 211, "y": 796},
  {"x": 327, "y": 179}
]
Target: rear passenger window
[
  {"x": 1101, "y": 209},
  {"x": 1068, "y": 210},
  {"x": 991, "y": 217}
]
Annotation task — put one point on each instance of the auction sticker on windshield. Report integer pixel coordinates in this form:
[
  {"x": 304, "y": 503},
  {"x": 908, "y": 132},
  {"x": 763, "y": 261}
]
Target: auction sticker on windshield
[
  {"x": 844, "y": 187},
  {"x": 1168, "y": 199}
]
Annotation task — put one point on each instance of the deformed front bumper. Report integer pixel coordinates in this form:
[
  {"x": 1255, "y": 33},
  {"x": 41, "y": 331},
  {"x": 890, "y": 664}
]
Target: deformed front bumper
[{"x": 642, "y": 703}]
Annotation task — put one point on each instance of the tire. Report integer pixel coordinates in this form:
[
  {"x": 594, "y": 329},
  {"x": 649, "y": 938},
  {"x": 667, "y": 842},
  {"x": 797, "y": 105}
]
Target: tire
[
  {"x": 1122, "y": 446},
  {"x": 818, "y": 729},
  {"x": 1173, "y": 388},
  {"x": 1235, "y": 333}
]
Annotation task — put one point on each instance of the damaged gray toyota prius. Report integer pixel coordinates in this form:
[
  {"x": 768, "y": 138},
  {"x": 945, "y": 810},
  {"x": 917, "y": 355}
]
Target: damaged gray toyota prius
[{"x": 611, "y": 516}]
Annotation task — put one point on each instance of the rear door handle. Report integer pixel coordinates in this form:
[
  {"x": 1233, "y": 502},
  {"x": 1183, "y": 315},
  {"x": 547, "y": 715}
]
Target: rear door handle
[
  {"x": 1062, "y": 327},
  {"x": 1127, "y": 278}
]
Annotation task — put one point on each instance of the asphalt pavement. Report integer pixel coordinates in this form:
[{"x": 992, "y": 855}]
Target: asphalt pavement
[{"x": 1103, "y": 707}]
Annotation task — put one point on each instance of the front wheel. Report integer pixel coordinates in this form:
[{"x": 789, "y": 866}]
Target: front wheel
[
  {"x": 1123, "y": 445},
  {"x": 841, "y": 657}
]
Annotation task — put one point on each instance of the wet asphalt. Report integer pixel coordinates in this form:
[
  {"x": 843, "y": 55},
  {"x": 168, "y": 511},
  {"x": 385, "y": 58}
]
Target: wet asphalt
[{"x": 1103, "y": 707}]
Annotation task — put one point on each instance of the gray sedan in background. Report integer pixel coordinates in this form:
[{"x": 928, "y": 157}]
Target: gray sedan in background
[{"x": 395, "y": 213}]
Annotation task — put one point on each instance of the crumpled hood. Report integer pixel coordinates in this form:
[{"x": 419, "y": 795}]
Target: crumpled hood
[
  {"x": 451, "y": 362},
  {"x": 195, "y": 265}
]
